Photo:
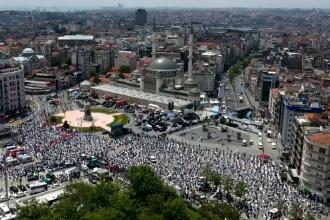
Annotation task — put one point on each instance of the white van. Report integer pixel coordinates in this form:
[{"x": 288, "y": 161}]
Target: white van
[
  {"x": 274, "y": 145},
  {"x": 152, "y": 159},
  {"x": 251, "y": 142},
  {"x": 4, "y": 210},
  {"x": 274, "y": 213}
]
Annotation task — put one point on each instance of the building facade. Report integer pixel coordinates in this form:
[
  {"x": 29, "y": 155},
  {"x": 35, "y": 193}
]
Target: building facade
[
  {"x": 289, "y": 110},
  {"x": 126, "y": 58},
  {"x": 140, "y": 16},
  {"x": 269, "y": 80},
  {"x": 12, "y": 92},
  {"x": 315, "y": 175}
]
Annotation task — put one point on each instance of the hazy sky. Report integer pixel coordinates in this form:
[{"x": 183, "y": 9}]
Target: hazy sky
[{"x": 12, "y": 4}]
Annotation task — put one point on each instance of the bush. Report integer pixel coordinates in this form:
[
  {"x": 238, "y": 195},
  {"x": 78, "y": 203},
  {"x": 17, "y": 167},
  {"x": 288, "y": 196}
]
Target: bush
[
  {"x": 119, "y": 119},
  {"x": 124, "y": 69}
]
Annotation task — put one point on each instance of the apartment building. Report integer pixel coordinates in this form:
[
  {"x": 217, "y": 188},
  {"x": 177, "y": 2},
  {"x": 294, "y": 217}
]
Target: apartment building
[
  {"x": 315, "y": 167},
  {"x": 12, "y": 92}
]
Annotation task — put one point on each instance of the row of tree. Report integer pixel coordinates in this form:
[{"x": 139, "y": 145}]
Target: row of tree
[
  {"x": 146, "y": 197},
  {"x": 237, "y": 67}
]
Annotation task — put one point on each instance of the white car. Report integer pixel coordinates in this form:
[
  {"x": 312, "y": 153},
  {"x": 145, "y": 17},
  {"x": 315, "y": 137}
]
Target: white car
[
  {"x": 269, "y": 140},
  {"x": 273, "y": 145},
  {"x": 260, "y": 145},
  {"x": 244, "y": 143},
  {"x": 19, "y": 195}
]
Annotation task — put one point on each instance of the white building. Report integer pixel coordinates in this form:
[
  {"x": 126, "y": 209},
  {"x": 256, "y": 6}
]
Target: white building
[
  {"x": 12, "y": 92},
  {"x": 30, "y": 61}
]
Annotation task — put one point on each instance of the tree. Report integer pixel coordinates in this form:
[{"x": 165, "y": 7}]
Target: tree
[
  {"x": 309, "y": 216},
  {"x": 212, "y": 176},
  {"x": 144, "y": 182},
  {"x": 219, "y": 211},
  {"x": 146, "y": 198},
  {"x": 240, "y": 189},
  {"x": 55, "y": 61},
  {"x": 175, "y": 209},
  {"x": 52, "y": 119},
  {"x": 92, "y": 73},
  {"x": 33, "y": 210},
  {"x": 228, "y": 184},
  {"x": 96, "y": 79},
  {"x": 223, "y": 120},
  {"x": 124, "y": 69},
  {"x": 296, "y": 212}
]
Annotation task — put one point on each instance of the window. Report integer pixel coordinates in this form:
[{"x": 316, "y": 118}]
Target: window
[
  {"x": 322, "y": 150},
  {"x": 320, "y": 167},
  {"x": 321, "y": 159}
]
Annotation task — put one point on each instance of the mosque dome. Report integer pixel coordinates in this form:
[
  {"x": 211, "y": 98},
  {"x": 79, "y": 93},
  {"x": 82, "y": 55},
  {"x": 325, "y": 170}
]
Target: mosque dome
[
  {"x": 27, "y": 52},
  {"x": 163, "y": 64}
]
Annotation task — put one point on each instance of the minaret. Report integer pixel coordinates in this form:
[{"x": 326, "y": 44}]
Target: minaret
[
  {"x": 190, "y": 56},
  {"x": 153, "y": 52},
  {"x": 190, "y": 83}
]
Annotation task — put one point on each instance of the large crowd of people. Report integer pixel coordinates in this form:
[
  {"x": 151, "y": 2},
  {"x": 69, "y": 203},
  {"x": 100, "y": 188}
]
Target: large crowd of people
[{"x": 177, "y": 163}]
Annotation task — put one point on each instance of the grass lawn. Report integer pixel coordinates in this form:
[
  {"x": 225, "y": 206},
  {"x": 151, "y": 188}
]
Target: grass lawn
[
  {"x": 58, "y": 119},
  {"x": 119, "y": 119},
  {"x": 88, "y": 129},
  {"x": 103, "y": 110}
]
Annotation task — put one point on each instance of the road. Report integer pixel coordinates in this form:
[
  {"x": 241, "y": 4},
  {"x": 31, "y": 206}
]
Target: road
[{"x": 230, "y": 92}]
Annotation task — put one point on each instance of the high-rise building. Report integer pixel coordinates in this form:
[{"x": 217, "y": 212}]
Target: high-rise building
[
  {"x": 140, "y": 16},
  {"x": 12, "y": 92},
  {"x": 269, "y": 80},
  {"x": 314, "y": 177},
  {"x": 305, "y": 125}
]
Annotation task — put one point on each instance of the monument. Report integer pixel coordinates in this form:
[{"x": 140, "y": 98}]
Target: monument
[{"x": 88, "y": 114}]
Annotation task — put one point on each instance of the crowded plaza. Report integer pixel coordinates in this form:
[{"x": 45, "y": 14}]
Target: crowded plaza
[{"x": 180, "y": 165}]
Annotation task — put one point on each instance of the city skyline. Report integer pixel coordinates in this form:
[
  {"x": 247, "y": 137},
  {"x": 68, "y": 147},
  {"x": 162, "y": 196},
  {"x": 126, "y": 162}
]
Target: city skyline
[{"x": 76, "y": 4}]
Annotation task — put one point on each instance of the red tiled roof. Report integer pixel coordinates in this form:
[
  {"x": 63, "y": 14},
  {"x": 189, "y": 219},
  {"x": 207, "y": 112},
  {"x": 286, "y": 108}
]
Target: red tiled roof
[{"x": 320, "y": 138}]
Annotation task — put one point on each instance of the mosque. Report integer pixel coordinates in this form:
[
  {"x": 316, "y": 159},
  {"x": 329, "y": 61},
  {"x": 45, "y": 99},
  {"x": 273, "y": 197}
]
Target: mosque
[
  {"x": 30, "y": 61},
  {"x": 163, "y": 77}
]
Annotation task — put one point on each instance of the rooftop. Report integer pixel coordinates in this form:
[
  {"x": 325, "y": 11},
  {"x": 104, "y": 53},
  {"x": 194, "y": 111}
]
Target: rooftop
[
  {"x": 320, "y": 138},
  {"x": 141, "y": 95},
  {"x": 77, "y": 37},
  {"x": 312, "y": 117}
]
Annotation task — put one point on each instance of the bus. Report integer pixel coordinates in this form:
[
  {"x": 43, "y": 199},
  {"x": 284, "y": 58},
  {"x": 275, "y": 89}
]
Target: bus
[
  {"x": 10, "y": 147},
  {"x": 37, "y": 187}
]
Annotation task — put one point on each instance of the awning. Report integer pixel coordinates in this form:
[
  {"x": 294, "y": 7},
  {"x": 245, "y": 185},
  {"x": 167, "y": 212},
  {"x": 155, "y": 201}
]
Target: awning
[{"x": 264, "y": 156}]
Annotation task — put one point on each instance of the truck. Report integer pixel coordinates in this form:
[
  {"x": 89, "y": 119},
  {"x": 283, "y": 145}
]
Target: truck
[{"x": 120, "y": 103}]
